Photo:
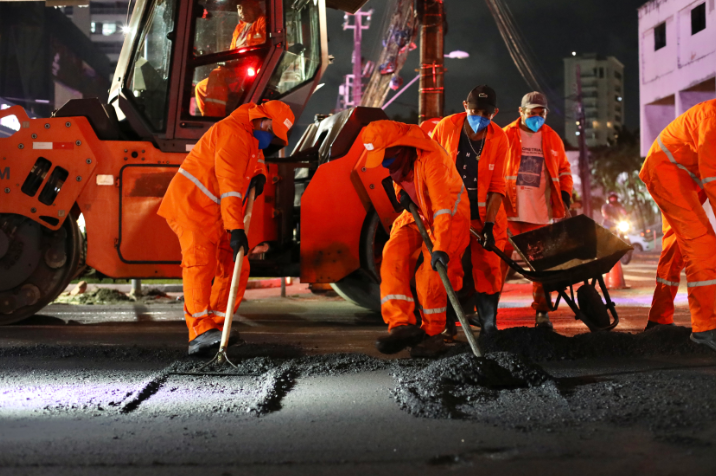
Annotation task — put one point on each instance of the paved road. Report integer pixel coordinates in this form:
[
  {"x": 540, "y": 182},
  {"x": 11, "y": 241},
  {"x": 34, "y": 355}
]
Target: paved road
[{"x": 90, "y": 390}]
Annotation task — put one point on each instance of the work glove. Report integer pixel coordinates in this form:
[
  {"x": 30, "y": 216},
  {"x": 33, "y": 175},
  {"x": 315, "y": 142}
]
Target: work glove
[
  {"x": 439, "y": 257},
  {"x": 405, "y": 200},
  {"x": 488, "y": 237},
  {"x": 566, "y": 199},
  {"x": 238, "y": 241},
  {"x": 257, "y": 182}
]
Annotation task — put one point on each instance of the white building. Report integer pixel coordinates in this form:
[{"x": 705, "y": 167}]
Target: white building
[
  {"x": 677, "y": 52},
  {"x": 602, "y": 81},
  {"x": 102, "y": 21}
]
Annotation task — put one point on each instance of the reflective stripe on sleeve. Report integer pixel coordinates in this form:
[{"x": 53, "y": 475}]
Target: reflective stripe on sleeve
[
  {"x": 201, "y": 314},
  {"x": 697, "y": 284},
  {"x": 262, "y": 161},
  {"x": 708, "y": 179},
  {"x": 199, "y": 185},
  {"x": 437, "y": 310},
  {"x": 555, "y": 180},
  {"x": 511, "y": 177},
  {"x": 217, "y": 313},
  {"x": 568, "y": 174},
  {"x": 396, "y": 297},
  {"x": 481, "y": 204},
  {"x": 668, "y": 283},
  {"x": 459, "y": 197},
  {"x": 215, "y": 101},
  {"x": 441, "y": 212},
  {"x": 230, "y": 194},
  {"x": 673, "y": 161}
]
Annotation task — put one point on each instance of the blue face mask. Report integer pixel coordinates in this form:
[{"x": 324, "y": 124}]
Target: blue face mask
[
  {"x": 386, "y": 162},
  {"x": 534, "y": 123},
  {"x": 264, "y": 138},
  {"x": 478, "y": 123}
]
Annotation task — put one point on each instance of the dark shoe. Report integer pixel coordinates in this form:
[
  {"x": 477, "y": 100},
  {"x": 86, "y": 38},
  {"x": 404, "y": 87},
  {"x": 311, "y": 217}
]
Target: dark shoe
[
  {"x": 707, "y": 338},
  {"x": 429, "y": 348},
  {"x": 542, "y": 320},
  {"x": 652, "y": 324},
  {"x": 487, "y": 310},
  {"x": 211, "y": 340},
  {"x": 399, "y": 338}
]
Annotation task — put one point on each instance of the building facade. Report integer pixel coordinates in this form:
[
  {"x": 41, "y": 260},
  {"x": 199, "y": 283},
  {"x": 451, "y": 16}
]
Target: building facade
[
  {"x": 677, "y": 53},
  {"x": 602, "y": 81}
]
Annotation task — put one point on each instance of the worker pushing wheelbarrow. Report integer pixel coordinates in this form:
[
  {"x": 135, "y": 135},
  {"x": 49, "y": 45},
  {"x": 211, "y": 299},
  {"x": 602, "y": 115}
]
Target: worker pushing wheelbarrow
[{"x": 573, "y": 251}]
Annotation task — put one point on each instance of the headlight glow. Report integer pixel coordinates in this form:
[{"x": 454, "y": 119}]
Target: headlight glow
[{"x": 623, "y": 226}]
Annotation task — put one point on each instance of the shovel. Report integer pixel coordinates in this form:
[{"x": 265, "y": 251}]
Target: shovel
[{"x": 221, "y": 356}]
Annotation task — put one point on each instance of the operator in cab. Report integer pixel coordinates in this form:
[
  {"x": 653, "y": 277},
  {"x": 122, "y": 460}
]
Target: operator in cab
[
  {"x": 424, "y": 176},
  {"x": 204, "y": 206},
  {"x": 212, "y": 93},
  {"x": 479, "y": 149}
]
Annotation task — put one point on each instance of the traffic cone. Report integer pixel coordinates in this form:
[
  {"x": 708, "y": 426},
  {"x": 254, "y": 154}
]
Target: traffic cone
[{"x": 615, "y": 277}]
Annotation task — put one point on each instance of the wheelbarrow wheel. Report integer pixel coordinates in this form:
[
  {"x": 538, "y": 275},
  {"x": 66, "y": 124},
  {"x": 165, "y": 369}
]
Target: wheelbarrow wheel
[{"x": 594, "y": 311}]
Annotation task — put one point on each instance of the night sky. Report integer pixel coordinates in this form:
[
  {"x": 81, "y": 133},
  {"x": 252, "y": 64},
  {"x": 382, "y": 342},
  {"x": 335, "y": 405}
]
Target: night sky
[{"x": 553, "y": 29}]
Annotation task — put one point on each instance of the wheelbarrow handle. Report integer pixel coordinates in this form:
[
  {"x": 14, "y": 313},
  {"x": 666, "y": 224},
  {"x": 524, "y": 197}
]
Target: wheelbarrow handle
[
  {"x": 507, "y": 259},
  {"x": 448, "y": 287}
]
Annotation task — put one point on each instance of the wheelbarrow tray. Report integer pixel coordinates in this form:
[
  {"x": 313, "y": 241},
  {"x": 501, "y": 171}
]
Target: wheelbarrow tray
[{"x": 569, "y": 252}]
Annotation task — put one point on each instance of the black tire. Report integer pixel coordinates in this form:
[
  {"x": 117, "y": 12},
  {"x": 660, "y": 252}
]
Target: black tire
[
  {"x": 626, "y": 259},
  {"x": 362, "y": 287},
  {"x": 48, "y": 281},
  {"x": 637, "y": 247},
  {"x": 594, "y": 311}
]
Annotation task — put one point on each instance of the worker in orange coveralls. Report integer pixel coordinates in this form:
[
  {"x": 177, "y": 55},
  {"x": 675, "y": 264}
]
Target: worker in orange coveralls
[
  {"x": 212, "y": 93},
  {"x": 204, "y": 207},
  {"x": 539, "y": 183},
  {"x": 479, "y": 148},
  {"x": 424, "y": 175},
  {"x": 680, "y": 164}
]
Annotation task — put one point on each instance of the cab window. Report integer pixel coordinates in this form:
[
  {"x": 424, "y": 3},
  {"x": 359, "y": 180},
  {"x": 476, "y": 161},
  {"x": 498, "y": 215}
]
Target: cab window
[
  {"x": 228, "y": 52},
  {"x": 300, "y": 63},
  {"x": 148, "y": 78}
]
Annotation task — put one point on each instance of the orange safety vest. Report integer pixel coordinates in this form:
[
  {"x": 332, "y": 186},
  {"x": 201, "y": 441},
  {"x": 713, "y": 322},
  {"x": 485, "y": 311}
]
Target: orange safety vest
[
  {"x": 206, "y": 195},
  {"x": 491, "y": 168},
  {"x": 249, "y": 34},
  {"x": 555, "y": 159}
]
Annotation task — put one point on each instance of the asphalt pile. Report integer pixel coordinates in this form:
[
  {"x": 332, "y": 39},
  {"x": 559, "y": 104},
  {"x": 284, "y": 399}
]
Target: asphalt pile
[{"x": 104, "y": 296}]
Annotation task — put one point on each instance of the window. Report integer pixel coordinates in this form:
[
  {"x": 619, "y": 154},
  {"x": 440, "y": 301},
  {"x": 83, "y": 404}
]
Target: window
[
  {"x": 148, "y": 76},
  {"x": 617, "y": 75},
  {"x": 617, "y": 88},
  {"x": 698, "y": 18},
  {"x": 300, "y": 63},
  {"x": 109, "y": 29},
  {"x": 659, "y": 36},
  {"x": 226, "y": 25},
  {"x": 601, "y": 72}
]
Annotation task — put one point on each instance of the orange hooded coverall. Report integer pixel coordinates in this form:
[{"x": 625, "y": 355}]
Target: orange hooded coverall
[
  {"x": 205, "y": 199},
  {"x": 680, "y": 163},
  {"x": 560, "y": 173},
  {"x": 212, "y": 93},
  {"x": 443, "y": 203},
  {"x": 486, "y": 265}
]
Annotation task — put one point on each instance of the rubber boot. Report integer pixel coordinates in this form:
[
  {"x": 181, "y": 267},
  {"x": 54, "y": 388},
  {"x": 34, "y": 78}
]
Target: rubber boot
[
  {"x": 429, "y": 348},
  {"x": 542, "y": 320},
  {"x": 399, "y": 338},
  {"x": 211, "y": 341},
  {"x": 707, "y": 338},
  {"x": 487, "y": 310}
]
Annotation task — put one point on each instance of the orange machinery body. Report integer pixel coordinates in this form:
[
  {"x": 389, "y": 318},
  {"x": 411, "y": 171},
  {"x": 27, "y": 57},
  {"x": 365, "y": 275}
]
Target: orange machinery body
[{"x": 118, "y": 185}]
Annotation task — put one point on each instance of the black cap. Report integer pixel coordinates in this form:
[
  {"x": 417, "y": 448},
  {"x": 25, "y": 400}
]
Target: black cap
[{"x": 482, "y": 97}]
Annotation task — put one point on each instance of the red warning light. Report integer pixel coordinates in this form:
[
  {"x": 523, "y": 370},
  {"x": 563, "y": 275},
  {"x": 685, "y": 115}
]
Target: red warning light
[{"x": 251, "y": 72}]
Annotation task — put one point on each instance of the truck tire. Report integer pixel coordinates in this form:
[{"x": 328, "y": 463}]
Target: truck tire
[
  {"x": 40, "y": 263},
  {"x": 362, "y": 287}
]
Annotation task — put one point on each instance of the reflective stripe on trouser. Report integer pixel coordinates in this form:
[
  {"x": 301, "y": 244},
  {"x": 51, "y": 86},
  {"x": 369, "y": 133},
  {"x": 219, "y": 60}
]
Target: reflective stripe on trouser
[
  {"x": 667, "y": 278},
  {"x": 539, "y": 298},
  {"x": 400, "y": 255},
  {"x": 676, "y": 194},
  {"x": 486, "y": 265},
  {"x": 202, "y": 262}
]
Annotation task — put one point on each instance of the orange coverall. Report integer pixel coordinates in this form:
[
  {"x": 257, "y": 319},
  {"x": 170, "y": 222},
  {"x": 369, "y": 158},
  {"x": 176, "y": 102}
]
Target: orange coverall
[
  {"x": 486, "y": 265},
  {"x": 681, "y": 163},
  {"x": 444, "y": 205},
  {"x": 212, "y": 93},
  {"x": 559, "y": 171},
  {"x": 203, "y": 201}
]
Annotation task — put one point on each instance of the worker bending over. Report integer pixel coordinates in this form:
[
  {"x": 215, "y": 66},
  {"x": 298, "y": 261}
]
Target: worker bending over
[
  {"x": 479, "y": 148},
  {"x": 681, "y": 164},
  {"x": 204, "y": 207},
  {"x": 424, "y": 175},
  {"x": 539, "y": 182}
]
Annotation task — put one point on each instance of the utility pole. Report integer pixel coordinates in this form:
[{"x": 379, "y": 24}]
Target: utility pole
[
  {"x": 584, "y": 172},
  {"x": 354, "y": 85},
  {"x": 432, "y": 92}
]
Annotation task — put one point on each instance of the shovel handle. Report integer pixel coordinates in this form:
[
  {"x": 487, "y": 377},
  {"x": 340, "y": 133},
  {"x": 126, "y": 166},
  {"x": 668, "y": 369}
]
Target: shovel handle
[
  {"x": 448, "y": 287},
  {"x": 235, "y": 278}
]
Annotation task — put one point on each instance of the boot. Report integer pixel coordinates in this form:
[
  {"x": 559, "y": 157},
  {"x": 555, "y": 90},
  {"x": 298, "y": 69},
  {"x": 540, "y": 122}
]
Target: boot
[
  {"x": 542, "y": 320},
  {"x": 487, "y": 310},
  {"x": 707, "y": 338},
  {"x": 211, "y": 340},
  {"x": 399, "y": 338},
  {"x": 429, "y": 348},
  {"x": 653, "y": 324}
]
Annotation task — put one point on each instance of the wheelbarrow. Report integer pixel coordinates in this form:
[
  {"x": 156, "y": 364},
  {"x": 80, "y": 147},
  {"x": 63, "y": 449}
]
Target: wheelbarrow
[{"x": 573, "y": 251}]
